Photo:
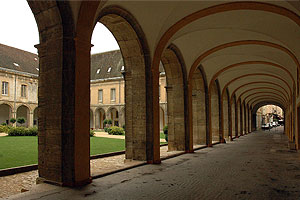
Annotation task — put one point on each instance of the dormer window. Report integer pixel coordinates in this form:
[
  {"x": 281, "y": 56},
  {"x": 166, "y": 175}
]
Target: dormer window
[
  {"x": 98, "y": 71},
  {"x": 109, "y": 69}
]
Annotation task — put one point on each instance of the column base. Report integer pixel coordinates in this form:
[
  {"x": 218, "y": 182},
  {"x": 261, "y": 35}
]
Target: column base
[
  {"x": 223, "y": 141},
  {"x": 189, "y": 151},
  {"x": 154, "y": 161},
  {"x": 76, "y": 184}
]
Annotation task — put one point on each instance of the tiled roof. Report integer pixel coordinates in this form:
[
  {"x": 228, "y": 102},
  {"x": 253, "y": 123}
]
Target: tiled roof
[
  {"x": 101, "y": 62},
  {"x": 106, "y": 65},
  {"x": 19, "y": 60},
  {"x": 103, "y": 65}
]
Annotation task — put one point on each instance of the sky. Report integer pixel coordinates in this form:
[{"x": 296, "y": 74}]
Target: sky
[{"x": 19, "y": 29}]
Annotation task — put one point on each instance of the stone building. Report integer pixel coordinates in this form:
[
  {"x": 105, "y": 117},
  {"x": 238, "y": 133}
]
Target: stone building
[
  {"x": 19, "y": 85},
  {"x": 19, "y": 80},
  {"x": 223, "y": 60}
]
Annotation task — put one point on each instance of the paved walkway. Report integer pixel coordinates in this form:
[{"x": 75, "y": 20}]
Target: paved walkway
[
  {"x": 104, "y": 134},
  {"x": 256, "y": 166}
]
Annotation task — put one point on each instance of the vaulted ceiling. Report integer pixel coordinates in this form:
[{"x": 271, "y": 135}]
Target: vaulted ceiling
[{"x": 250, "y": 47}]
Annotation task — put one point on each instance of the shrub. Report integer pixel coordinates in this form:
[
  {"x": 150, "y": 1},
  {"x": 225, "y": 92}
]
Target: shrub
[
  {"x": 33, "y": 131},
  {"x": 17, "y": 131},
  {"x": 92, "y": 133},
  {"x": 108, "y": 130},
  {"x": 21, "y": 120},
  {"x": 4, "y": 128},
  {"x": 105, "y": 122},
  {"x": 165, "y": 129},
  {"x": 12, "y": 120},
  {"x": 123, "y": 126},
  {"x": 3, "y": 124},
  {"x": 115, "y": 130},
  {"x": 105, "y": 129},
  {"x": 22, "y": 131},
  {"x": 109, "y": 121}
]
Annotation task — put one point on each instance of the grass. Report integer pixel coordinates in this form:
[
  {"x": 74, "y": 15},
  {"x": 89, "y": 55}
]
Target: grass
[
  {"x": 22, "y": 150},
  {"x": 162, "y": 135}
]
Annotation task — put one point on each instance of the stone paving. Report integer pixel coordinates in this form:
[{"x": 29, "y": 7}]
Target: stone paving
[
  {"x": 255, "y": 166},
  {"x": 14, "y": 184}
]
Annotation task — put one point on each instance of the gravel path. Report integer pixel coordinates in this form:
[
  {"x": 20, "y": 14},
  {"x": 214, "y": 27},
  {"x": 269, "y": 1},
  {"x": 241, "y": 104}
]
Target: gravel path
[{"x": 256, "y": 166}]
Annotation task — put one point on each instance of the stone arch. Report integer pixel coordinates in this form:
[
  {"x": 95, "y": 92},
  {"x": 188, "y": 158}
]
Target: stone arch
[
  {"x": 5, "y": 113},
  {"x": 176, "y": 102},
  {"x": 262, "y": 103},
  {"x": 113, "y": 114},
  {"x": 136, "y": 57},
  {"x": 218, "y": 9},
  {"x": 199, "y": 107},
  {"x": 260, "y": 82},
  {"x": 100, "y": 116},
  {"x": 23, "y": 111}
]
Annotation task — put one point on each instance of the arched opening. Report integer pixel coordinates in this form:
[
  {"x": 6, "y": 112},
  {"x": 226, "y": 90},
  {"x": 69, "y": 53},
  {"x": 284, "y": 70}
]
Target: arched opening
[
  {"x": 162, "y": 118},
  {"x": 174, "y": 79},
  {"x": 23, "y": 112},
  {"x": 114, "y": 116},
  {"x": 131, "y": 71},
  {"x": 269, "y": 117},
  {"x": 199, "y": 109},
  {"x": 35, "y": 117},
  {"x": 100, "y": 117},
  {"x": 91, "y": 120},
  {"x": 5, "y": 113}
]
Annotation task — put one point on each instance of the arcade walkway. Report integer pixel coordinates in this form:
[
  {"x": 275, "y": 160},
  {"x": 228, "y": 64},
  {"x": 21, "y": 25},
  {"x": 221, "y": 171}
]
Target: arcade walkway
[{"x": 255, "y": 166}]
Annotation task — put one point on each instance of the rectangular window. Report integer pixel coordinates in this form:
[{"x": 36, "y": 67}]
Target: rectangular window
[
  {"x": 113, "y": 94},
  {"x": 4, "y": 88},
  {"x": 100, "y": 96},
  {"x": 23, "y": 90}
]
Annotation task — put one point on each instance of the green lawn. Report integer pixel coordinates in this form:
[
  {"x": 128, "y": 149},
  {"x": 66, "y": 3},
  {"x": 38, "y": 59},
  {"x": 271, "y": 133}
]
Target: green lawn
[{"x": 22, "y": 150}]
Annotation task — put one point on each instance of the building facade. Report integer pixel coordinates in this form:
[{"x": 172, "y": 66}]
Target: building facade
[{"x": 19, "y": 88}]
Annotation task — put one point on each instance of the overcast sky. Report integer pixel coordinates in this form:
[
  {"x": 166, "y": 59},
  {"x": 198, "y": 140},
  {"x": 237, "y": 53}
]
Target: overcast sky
[{"x": 19, "y": 29}]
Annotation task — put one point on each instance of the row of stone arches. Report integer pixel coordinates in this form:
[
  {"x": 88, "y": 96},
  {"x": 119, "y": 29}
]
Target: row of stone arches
[
  {"x": 117, "y": 115},
  {"x": 198, "y": 112},
  {"x": 7, "y": 112}
]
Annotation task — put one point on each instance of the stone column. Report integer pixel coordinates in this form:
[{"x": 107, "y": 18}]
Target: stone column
[
  {"x": 30, "y": 121},
  {"x": 175, "y": 118},
  {"x": 135, "y": 115},
  {"x": 64, "y": 98}
]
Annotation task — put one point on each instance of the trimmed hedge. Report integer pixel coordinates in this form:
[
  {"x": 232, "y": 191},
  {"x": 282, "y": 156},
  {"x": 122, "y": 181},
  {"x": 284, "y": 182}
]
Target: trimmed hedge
[
  {"x": 4, "y": 128},
  {"x": 22, "y": 131},
  {"x": 115, "y": 130}
]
